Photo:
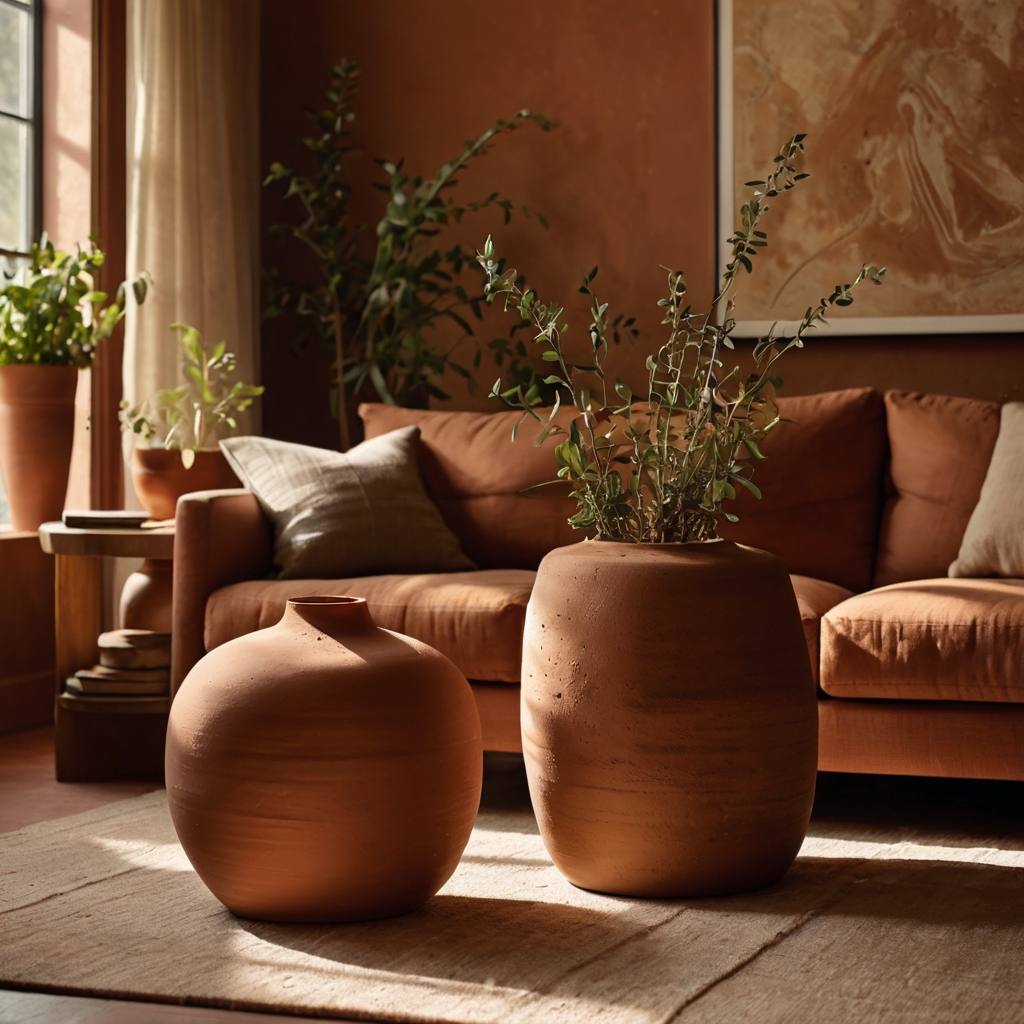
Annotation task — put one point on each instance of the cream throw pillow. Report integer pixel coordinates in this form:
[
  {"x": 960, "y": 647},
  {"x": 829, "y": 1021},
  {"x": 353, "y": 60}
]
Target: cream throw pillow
[
  {"x": 361, "y": 513},
  {"x": 993, "y": 543}
]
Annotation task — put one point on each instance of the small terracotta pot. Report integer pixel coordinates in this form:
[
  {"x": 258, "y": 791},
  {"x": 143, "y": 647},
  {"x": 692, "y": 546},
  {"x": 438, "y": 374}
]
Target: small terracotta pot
[
  {"x": 324, "y": 769},
  {"x": 146, "y": 596},
  {"x": 37, "y": 427},
  {"x": 160, "y": 477},
  {"x": 669, "y": 717}
]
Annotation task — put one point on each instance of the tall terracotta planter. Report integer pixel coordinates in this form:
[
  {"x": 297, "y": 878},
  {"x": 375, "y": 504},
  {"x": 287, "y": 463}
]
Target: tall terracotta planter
[
  {"x": 324, "y": 769},
  {"x": 669, "y": 717},
  {"x": 160, "y": 477},
  {"x": 37, "y": 424}
]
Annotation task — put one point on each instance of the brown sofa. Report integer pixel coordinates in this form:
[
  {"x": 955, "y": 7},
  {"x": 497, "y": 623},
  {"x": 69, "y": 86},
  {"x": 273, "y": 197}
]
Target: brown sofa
[{"x": 866, "y": 499}]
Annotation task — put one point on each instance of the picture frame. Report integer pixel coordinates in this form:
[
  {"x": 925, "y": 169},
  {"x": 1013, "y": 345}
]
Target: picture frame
[{"x": 912, "y": 167}]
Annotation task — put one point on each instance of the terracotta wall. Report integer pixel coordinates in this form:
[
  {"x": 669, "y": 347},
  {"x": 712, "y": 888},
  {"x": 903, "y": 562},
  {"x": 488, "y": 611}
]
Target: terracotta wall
[{"x": 627, "y": 179}]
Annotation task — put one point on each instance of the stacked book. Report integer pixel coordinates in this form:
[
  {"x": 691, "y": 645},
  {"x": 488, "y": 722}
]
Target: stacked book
[
  {"x": 99, "y": 519},
  {"x": 133, "y": 663}
]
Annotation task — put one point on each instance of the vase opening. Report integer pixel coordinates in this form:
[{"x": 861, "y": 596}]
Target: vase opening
[{"x": 324, "y": 611}]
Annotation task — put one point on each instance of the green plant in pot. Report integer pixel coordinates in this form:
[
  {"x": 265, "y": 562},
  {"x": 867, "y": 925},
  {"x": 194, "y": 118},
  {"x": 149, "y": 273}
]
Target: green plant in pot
[
  {"x": 52, "y": 321},
  {"x": 383, "y": 318},
  {"x": 174, "y": 431},
  {"x": 669, "y": 712}
]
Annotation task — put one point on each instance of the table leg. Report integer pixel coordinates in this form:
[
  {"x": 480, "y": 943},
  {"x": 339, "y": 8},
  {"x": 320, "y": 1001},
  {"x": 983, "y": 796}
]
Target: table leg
[
  {"x": 97, "y": 739},
  {"x": 79, "y": 613}
]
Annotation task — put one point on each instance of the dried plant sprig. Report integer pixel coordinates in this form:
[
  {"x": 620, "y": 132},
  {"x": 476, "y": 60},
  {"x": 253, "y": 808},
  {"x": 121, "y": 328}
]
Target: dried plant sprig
[{"x": 658, "y": 468}]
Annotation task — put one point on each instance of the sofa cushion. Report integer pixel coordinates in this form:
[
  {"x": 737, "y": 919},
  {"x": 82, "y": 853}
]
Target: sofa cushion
[
  {"x": 351, "y": 513},
  {"x": 474, "y": 474},
  {"x": 993, "y": 543},
  {"x": 822, "y": 487},
  {"x": 822, "y": 484},
  {"x": 814, "y": 598},
  {"x": 940, "y": 448},
  {"x": 474, "y": 618},
  {"x": 938, "y": 639}
]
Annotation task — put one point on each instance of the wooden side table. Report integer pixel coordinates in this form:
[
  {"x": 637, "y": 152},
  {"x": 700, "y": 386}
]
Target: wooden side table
[{"x": 99, "y": 738}]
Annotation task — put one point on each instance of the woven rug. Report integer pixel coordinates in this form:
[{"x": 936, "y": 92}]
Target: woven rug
[{"x": 894, "y": 926}]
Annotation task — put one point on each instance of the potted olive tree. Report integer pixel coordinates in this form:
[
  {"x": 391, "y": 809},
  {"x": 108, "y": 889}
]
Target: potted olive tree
[
  {"x": 52, "y": 319},
  {"x": 174, "y": 431},
  {"x": 668, "y": 710}
]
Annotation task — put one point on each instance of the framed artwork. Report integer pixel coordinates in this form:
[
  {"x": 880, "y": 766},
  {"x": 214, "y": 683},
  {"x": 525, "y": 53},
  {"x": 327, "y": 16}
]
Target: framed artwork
[{"x": 914, "y": 115}]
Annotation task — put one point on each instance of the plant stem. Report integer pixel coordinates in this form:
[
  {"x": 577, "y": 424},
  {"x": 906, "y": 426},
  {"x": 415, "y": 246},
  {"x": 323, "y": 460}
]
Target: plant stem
[{"x": 339, "y": 355}]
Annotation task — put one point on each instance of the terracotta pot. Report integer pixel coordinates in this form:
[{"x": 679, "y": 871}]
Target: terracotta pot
[
  {"x": 324, "y": 769},
  {"x": 37, "y": 426},
  {"x": 160, "y": 477},
  {"x": 146, "y": 596},
  {"x": 669, "y": 717}
]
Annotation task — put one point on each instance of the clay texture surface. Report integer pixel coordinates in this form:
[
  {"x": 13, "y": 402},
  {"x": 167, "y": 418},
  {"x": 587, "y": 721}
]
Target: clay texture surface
[
  {"x": 160, "y": 478},
  {"x": 669, "y": 717},
  {"x": 37, "y": 419},
  {"x": 147, "y": 595},
  {"x": 324, "y": 769}
]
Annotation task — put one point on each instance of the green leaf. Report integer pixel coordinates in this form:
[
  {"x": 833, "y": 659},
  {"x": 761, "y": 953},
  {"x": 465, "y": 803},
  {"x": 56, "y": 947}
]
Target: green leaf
[
  {"x": 746, "y": 483},
  {"x": 751, "y": 446}
]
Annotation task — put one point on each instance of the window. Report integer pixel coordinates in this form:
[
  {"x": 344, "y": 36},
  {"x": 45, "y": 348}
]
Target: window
[
  {"x": 20, "y": 138},
  {"x": 20, "y": 71}
]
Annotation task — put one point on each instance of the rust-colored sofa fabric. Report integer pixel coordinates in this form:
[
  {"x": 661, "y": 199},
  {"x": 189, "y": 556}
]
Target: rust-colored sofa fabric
[
  {"x": 821, "y": 483},
  {"x": 814, "y": 598},
  {"x": 957, "y": 739},
  {"x": 474, "y": 474},
  {"x": 474, "y": 618},
  {"x": 924, "y": 676},
  {"x": 940, "y": 448},
  {"x": 220, "y": 537},
  {"x": 938, "y": 639}
]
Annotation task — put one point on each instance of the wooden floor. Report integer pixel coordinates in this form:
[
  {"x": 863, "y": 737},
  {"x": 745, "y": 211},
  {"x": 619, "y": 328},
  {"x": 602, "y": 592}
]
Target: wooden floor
[{"x": 29, "y": 792}]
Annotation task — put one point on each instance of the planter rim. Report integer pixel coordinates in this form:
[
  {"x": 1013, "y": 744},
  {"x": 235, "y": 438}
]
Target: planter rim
[
  {"x": 38, "y": 384},
  {"x": 40, "y": 366},
  {"x": 160, "y": 448},
  {"x": 649, "y": 544}
]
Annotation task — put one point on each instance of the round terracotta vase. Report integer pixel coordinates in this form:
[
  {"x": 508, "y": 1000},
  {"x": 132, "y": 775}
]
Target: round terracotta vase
[
  {"x": 669, "y": 717},
  {"x": 160, "y": 477},
  {"x": 324, "y": 769},
  {"x": 37, "y": 426}
]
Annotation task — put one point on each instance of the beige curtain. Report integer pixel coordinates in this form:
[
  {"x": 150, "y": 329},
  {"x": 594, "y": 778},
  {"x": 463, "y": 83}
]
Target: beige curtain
[{"x": 193, "y": 180}]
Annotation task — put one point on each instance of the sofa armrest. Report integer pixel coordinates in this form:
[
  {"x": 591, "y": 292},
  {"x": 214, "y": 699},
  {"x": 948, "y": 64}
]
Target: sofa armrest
[{"x": 220, "y": 537}]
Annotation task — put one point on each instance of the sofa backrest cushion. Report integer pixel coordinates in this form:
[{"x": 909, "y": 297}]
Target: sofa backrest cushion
[
  {"x": 474, "y": 474},
  {"x": 822, "y": 485},
  {"x": 940, "y": 449}
]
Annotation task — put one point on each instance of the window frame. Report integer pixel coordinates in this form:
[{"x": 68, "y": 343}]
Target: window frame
[{"x": 34, "y": 10}]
